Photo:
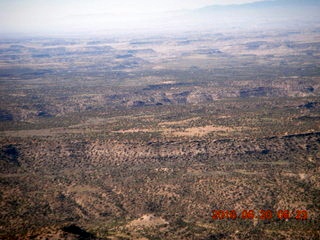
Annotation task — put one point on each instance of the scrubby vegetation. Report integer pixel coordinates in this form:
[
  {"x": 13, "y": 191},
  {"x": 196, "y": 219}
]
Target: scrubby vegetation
[{"x": 118, "y": 139}]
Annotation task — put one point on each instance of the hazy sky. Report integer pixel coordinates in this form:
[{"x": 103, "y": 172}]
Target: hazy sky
[{"x": 43, "y": 15}]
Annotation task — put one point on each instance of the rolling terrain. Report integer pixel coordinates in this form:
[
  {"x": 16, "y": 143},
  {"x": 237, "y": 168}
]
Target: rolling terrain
[{"x": 142, "y": 137}]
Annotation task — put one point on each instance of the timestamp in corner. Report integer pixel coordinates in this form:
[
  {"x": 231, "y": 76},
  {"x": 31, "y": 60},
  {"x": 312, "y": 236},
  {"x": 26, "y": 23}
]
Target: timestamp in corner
[{"x": 263, "y": 214}]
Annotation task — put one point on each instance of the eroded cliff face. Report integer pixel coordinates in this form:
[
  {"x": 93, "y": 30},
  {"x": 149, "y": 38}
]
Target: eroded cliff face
[{"x": 168, "y": 94}]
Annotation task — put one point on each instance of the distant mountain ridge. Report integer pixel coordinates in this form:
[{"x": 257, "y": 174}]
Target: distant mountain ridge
[
  {"x": 264, "y": 4},
  {"x": 263, "y": 14}
]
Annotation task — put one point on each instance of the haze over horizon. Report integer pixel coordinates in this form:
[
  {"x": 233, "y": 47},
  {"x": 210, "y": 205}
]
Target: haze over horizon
[{"x": 47, "y": 17}]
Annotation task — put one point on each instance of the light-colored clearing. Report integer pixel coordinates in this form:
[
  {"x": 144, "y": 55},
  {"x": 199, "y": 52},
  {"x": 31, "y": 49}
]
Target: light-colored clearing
[
  {"x": 179, "y": 123},
  {"x": 169, "y": 82},
  {"x": 135, "y": 130},
  {"x": 302, "y": 176},
  {"x": 201, "y": 131},
  {"x": 147, "y": 220},
  {"x": 187, "y": 132}
]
